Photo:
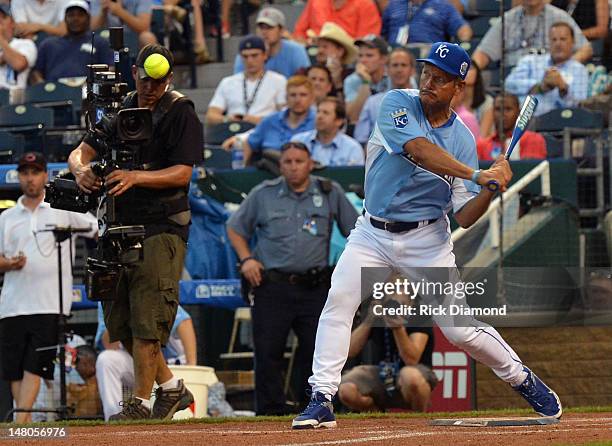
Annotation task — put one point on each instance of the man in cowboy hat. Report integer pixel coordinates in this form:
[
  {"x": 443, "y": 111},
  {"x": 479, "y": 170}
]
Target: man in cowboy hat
[{"x": 336, "y": 51}]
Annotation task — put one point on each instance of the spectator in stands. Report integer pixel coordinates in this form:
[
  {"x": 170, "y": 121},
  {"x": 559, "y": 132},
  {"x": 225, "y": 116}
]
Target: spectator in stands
[
  {"x": 466, "y": 115},
  {"x": 370, "y": 75},
  {"x": 287, "y": 271},
  {"x": 357, "y": 17},
  {"x": 284, "y": 56},
  {"x": 250, "y": 95},
  {"x": 115, "y": 368},
  {"x": 401, "y": 71},
  {"x": 39, "y": 16},
  {"x": 399, "y": 372},
  {"x": 477, "y": 100},
  {"x": 531, "y": 146},
  {"x": 17, "y": 56},
  {"x": 555, "y": 78},
  {"x": 68, "y": 56},
  {"x": 335, "y": 50},
  {"x": 278, "y": 128},
  {"x": 526, "y": 33},
  {"x": 29, "y": 302},
  {"x": 133, "y": 15},
  {"x": 322, "y": 81},
  {"x": 423, "y": 21},
  {"x": 592, "y": 16},
  {"x": 327, "y": 144},
  {"x": 85, "y": 398}
]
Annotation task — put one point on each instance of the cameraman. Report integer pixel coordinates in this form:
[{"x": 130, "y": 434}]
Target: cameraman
[{"x": 153, "y": 194}]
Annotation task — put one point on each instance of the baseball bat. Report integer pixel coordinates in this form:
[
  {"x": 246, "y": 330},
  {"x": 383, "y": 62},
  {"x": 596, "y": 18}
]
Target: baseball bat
[{"x": 522, "y": 121}]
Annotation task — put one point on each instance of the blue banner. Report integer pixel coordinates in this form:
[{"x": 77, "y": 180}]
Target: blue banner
[{"x": 216, "y": 293}]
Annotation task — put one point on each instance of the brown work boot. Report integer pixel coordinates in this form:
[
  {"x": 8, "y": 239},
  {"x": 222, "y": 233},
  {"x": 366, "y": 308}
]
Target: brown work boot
[
  {"x": 167, "y": 402},
  {"x": 133, "y": 409}
]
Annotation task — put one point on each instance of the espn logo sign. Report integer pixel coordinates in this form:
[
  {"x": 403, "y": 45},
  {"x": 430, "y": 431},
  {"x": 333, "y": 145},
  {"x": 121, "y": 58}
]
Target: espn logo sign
[{"x": 451, "y": 369}]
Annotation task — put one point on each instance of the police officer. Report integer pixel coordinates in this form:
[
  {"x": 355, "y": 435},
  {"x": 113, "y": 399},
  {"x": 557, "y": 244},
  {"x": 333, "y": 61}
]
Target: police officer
[
  {"x": 292, "y": 217},
  {"x": 152, "y": 194}
]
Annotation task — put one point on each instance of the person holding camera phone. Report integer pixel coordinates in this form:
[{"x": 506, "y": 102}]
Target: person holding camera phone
[
  {"x": 153, "y": 194},
  {"x": 399, "y": 372},
  {"x": 29, "y": 303}
]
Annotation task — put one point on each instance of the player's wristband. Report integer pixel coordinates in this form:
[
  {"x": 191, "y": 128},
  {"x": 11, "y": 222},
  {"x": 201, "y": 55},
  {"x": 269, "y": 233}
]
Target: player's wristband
[
  {"x": 246, "y": 259},
  {"x": 476, "y": 176}
]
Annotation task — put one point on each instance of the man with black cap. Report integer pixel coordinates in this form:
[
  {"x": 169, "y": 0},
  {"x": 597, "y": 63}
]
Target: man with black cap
[
  {"x": 29, "y": 303},
  {"x": 421, "y": 163},
  {"x": 292, "y": 217},
  {"x": 68, "y": 56},
  {"x": 252, "y": 94},
  {"x": 154, "y": 194}
]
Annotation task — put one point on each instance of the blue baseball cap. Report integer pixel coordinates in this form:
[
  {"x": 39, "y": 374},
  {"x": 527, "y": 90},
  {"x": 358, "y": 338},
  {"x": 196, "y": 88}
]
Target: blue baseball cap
[
  {"x": 5, "y": 9},
  {"x": 252, "y": 43},
  {"x": 449, "y": 57}
]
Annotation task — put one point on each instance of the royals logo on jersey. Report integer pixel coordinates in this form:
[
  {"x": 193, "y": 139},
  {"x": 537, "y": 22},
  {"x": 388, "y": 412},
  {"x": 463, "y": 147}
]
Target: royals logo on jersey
[{"x": 400, "y": 118}]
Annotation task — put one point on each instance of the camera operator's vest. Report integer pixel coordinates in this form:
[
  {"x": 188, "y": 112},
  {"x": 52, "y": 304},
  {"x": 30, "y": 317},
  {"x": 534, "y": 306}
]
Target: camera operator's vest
[{"x": 147, "y": 206}]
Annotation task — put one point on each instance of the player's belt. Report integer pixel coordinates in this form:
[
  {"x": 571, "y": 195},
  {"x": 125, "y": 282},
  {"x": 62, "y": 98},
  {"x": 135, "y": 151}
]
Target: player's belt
[{"x": 398, "y": 226}]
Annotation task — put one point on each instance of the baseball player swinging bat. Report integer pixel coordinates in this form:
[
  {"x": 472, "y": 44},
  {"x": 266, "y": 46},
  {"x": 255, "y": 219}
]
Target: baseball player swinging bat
[{"x": 522, "y": 121}]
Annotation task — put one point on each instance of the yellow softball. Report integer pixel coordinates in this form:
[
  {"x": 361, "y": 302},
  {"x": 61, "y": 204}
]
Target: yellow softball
[{"x": 156, "y": 66}]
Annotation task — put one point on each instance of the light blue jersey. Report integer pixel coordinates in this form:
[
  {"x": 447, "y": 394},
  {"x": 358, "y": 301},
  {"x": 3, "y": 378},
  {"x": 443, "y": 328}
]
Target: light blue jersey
[{"x": 396, "y": 188}]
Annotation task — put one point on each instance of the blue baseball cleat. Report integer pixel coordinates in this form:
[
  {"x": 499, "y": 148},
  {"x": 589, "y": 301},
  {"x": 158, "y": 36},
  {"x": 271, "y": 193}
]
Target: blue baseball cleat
[
  {"x": 541, "y": 397},
  {"x": 318, "y": 413}
]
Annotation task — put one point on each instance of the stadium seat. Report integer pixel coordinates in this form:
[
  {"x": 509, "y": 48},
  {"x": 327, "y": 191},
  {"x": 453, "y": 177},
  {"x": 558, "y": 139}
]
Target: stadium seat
[
  {"x": 25, "y": 116},
  {"x": 490, "y": 7},
  {"x": 216, "y": 134},
  {"x": 64, "y": 100},
  {"x": 11, "y": 146},
  {"x": 28, "y": 120},
  {"x": 558, "y": 119},
  {"x": 4, "y": 97},
  {"x": 481, "y": 25}
]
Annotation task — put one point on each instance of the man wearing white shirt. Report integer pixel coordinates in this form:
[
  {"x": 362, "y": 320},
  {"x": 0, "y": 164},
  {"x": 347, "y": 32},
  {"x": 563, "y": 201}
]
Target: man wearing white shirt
[
  {"x": 29, "y": 302},
  {"x": 17, "y": 56},
  {"x": 556, "y": 79},
  {"x": 35, "y": 16},
  {"x": 327, "y": 144},
  {"x": 250, "y": 95}
]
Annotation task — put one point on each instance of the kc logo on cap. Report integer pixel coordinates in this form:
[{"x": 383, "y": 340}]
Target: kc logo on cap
[
  {"x": 450, "y": 58},
  {"x": 442, "y": 51}
]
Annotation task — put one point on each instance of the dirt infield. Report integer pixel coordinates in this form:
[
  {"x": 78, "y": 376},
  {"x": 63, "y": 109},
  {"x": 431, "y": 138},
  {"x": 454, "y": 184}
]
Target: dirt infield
[{"x": 575, "y": 428}]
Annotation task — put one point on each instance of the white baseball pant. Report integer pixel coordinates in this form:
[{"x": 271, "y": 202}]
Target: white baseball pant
[
  {"x": 428, "y": 246},
  {"x": 114, "y": 371}
]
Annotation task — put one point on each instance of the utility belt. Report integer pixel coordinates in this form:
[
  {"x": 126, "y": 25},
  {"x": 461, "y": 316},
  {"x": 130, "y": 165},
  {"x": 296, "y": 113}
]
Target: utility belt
[
  {"x": 309, "y": 279},
  {"x": 135, "y": 210}
]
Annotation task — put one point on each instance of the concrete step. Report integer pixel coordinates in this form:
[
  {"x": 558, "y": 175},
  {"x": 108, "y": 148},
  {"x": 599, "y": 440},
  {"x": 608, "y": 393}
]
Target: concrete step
[
  {"x": 292, "y": 12},
  {"x": 230, "y": 48},
  {"x": 209, "y": 75},
  {"x": 200, "y": 97}
]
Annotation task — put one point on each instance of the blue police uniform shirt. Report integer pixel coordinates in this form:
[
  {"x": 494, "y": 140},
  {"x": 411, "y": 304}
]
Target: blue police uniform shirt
[
  {"x": 68, "y": 56},
  {"x": 291, "y": 57},
  {"x": 181, "y": 315},
  {"x": 431, "y": 22},
  {"x": 396, "y": 188},
  {"x": 273, "y": 131}
]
